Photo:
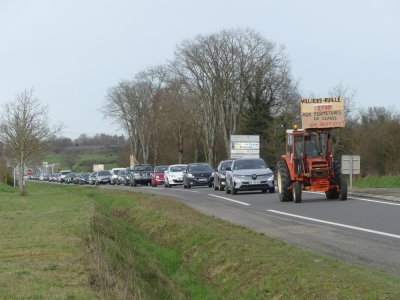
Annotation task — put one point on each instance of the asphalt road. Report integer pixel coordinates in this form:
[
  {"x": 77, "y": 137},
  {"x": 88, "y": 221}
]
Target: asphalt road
[{"x": 360, "y": 230}]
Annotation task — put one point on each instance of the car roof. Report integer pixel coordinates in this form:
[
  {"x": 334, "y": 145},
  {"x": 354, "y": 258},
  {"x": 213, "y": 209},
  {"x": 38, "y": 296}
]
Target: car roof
[{"x": 255, "y": 158}]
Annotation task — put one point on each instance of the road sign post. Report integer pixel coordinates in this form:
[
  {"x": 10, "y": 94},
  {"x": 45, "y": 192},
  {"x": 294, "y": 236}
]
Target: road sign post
[{"x": 351, "y": 165}]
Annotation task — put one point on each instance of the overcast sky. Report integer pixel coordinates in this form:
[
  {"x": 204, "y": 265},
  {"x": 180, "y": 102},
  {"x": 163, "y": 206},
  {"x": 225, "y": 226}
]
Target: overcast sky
[{"x": 71, "y": 52}]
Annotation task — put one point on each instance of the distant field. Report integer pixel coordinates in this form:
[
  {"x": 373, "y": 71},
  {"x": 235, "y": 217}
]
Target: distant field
[
  {"x": 83, "y": 160},
  {"x": 378, "y": 182},
  {"x": 72, "y": 242}
]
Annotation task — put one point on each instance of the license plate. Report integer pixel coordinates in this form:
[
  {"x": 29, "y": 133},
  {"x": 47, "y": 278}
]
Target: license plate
[
  {"x": 202, "y": 179},
  {"x": 255, "y": 182}
]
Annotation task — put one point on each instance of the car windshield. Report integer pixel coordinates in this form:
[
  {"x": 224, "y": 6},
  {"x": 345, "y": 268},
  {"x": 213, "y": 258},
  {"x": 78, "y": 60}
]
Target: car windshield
[
  {"x": 103, "y": 173},
  {"x": 200, "y": 167},
  {"x": 226, "y": 164},
  {"x": 122, "y": 172},
  {"x": 177, "y": 168},
  {"x": 160, "y": 169},
  {"x": 143, "y": 168},
  {"x": 250, "y": 164}
]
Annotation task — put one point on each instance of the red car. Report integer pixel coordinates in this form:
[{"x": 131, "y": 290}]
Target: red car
[{"x": 157, "y": 177}]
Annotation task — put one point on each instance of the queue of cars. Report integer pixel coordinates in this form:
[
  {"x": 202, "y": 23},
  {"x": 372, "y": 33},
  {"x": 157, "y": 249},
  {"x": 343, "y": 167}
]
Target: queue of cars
[{"x": 233, "y": 175}]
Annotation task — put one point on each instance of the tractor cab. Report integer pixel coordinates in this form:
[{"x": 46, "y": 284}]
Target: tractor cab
[{"x": 310, "y": 158}]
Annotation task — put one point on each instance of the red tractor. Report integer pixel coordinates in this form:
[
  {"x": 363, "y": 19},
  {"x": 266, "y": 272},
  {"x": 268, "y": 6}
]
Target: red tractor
[{"x": 308, "y": 165}]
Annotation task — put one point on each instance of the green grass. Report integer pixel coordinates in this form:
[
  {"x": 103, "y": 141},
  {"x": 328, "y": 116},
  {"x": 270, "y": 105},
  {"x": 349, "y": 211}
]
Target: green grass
[
  {"x": 378, "y": 182},
  {"x": 84, "y": 160},
  {"x": 84, "y": 243},
  {"x": 42, "y": 249}
]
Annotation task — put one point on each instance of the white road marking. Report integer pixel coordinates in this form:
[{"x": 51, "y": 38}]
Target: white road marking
[
  {"x": 335, "y": 224},
  {"x": 186, "y": 191},
  {"x": 243, "y": 203},
  {"x": 362, "y": 199}
]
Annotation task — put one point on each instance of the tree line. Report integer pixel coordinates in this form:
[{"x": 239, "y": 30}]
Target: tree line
[
  {"x": 216, "y": 85},
  {"x": 230, "y": 82},
  {"x": 235, "y": 82}
]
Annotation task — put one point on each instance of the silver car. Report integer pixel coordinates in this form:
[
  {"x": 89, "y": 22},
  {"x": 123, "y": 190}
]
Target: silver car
[
  {"x": 249, "y": 174},
  {"x": 102, "y": 177}
]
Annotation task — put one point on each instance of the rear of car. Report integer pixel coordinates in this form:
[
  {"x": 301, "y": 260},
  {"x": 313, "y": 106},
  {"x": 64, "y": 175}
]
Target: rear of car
[{"x": 249, "y": 174}]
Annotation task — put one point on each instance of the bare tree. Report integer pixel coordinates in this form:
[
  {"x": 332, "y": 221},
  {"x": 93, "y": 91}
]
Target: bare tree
[
  {"x": 120, "y": 106},
  {"x": 348, "y": 94},
  {"x": 134, "y": 104},
  {"x": 148, "y": 85},
  {"x": 194, "y": 64},
  {"x": 24, "y": 130},
  {"x": 234, "y": 73}
]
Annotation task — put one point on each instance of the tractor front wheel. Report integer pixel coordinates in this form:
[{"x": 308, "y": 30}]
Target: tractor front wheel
[
  {"x": 284, "y": 191},
  {"x": 332, "y": 194},
  {"x": 296, "y": 192}
]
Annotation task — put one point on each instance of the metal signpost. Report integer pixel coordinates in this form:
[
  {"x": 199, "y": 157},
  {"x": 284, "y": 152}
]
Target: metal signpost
[{"x": 351, "y": 165}]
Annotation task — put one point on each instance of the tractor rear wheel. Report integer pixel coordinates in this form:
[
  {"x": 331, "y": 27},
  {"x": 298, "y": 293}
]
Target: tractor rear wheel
[
  {"x": 334, "y": 193},
  {"x": 296, "y": 192},
  {"x": 337, "y": 170},
  {"x": 343, "y": 191},
  {"x": 284, "y": 191}
]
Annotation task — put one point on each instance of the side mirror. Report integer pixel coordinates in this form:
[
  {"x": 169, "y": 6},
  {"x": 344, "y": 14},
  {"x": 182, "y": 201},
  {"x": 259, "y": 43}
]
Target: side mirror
[
  {"x": 215, "y": 170},
  {"x": 228, "y": 169}
]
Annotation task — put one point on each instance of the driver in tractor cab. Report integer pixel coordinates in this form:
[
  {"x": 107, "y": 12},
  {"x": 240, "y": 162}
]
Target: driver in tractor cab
[
  {"x": 307, "y": 145},
  {"x": 310, "y": 147}
]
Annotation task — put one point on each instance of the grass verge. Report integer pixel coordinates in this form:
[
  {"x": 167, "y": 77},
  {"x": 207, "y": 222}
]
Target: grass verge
[
  {"x": 42, "y": 249},
  {"x": 378, "y": 182},
  {"x": 74, "y": 242}
]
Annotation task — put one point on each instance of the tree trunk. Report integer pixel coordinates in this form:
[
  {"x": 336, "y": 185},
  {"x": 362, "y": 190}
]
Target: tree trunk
[
  {"x": 180, "y": 146},
  {"x": 21, "y": 185}
]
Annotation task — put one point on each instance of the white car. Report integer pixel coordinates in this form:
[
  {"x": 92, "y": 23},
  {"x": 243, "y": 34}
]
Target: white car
[
  {"x": 174, "y": 175},
  {"x": 114, "y": 175},
  {"x": 249, "y": 174}
]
